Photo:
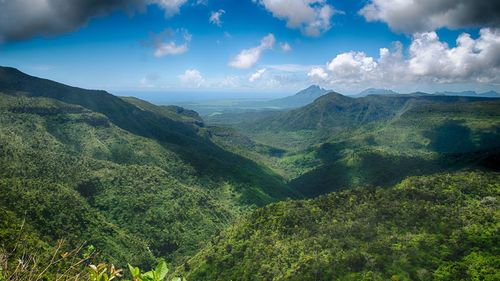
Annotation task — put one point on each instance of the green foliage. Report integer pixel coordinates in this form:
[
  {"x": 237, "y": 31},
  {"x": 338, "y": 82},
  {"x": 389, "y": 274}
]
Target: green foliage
[
  {"x": 125, "y": 181},
  {"x": 103, "y": 272},
  {"x": 441, "y": 227},
  {"x": 158, "y": 274},
  {"x": 339, "y": 142},
  {"x": 136, "y": 181}
]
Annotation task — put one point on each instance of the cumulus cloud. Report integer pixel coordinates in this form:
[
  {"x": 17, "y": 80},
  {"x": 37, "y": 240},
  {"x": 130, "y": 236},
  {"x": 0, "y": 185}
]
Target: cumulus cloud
[
  {"x": 257, "y": 75},
  {"x": 351, "y": 66},
  {"x": 215, "y": 17},
  {"x": 23, "y": 19},
  {"x": 249, "y": 57},
  {"x": 191, "y": 78},
  {"x": 317, "y": 74},
  {"x": 412, "y": 16},
  {"x": 285, "y": 47},
  {"x": 472, "y": 59},
  {"x": 311, "y": 17},
  {"x": 429, "y": 60}
]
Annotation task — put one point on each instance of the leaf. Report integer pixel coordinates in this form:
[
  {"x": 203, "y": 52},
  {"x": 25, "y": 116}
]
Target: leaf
[
  {"x": 134, "y": 271},
  {"x": 161, "y": 270}
]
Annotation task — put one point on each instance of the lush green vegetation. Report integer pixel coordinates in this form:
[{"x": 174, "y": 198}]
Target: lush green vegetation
[
  {"x": 440, "y": 227},
  {"x": 339, "y": 142},
  {"x": 87, "y": 177},
  {"x": 74, "y": 166}
]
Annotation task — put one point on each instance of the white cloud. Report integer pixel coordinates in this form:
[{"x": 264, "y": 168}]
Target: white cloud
[
  {"x": 429, "y": 61},
  {"x": 471, "y": 59},
  {"x": 351, "y": 66},
  {"x": 427, "y": 15},
  {"x": 171, "y": 7},
  {"x": 285, "y": 47},
  {"x": 249, "y": 57},
  {"x": 257, "y": 75},
  {"x": 191, "y": 78},
  {"x": 317, "y": 74},
  {"x": 312, "y": 17},
  {"x": 215, "y": 17},
  {"x": 169, "y": 47}
]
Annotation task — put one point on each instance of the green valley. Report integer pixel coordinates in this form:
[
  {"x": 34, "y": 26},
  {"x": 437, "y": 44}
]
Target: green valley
[
  {"x": 134, "y": 180},
  {"x": 382, "y": 187}
]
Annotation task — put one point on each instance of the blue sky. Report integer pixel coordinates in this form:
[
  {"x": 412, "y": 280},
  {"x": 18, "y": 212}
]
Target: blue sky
[{"x": 160, "y": 49}]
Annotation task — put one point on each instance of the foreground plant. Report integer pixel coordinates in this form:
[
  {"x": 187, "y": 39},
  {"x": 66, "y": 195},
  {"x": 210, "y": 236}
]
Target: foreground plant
[{"x": 105, "y": 272}]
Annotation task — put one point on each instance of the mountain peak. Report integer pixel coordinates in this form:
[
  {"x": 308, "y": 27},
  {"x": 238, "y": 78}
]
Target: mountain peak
[
  {"x": 313, "y": 90},
  {"x": 301, "y": 98}
]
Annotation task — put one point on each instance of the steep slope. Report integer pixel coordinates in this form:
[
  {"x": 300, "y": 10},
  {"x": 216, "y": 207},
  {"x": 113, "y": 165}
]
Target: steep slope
[
  {"x": 442, "y": 227},
  {"x": 135, "y": 193},
  {"x": 169, "y": 111},
  {"x": 73, "y": 175},
  {"x": 147, "y": 120},
  {"x": 121, "y": 113}
]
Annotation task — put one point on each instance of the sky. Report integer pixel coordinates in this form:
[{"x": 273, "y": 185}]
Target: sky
[{"x": 255, "y": 47}]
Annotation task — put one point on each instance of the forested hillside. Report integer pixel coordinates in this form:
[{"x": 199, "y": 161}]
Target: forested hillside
[
  {"x": 339, "y": 142},
  {"x": 440, "y": 227},
  {"x": 120, "y": 180},
  {"x": 134, "y": 180}
]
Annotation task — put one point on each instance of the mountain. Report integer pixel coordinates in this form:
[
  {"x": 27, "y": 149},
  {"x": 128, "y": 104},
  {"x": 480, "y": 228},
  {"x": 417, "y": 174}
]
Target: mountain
[
  {"x": 134, "y": 180},
  {"x": 440, "y": 227},
  {"x": 490, "y": 94},
  {"x": 178, "y": 132},
  {"x": 400, "y": 187},
  {"x": 341, "y": 142},
  {"x": 334, "y": 110},
  {"x": 301, "y": 98},
  {"x": 374, "y": 91}
]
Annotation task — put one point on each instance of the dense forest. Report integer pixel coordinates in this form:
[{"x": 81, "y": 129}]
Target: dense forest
[
  {"x": 389, "y": 187},
  {"x": 440, "y": 227}
]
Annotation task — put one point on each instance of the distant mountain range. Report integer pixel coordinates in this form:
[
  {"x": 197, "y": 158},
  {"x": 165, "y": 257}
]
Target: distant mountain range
[
  {"x": 376, "y": 92},
  {"x": 335, "y": 110},
  {"x": 301, "y": 98},
  {"x": 314, "y": 92},
  {"x": 490, "y": 94}
]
